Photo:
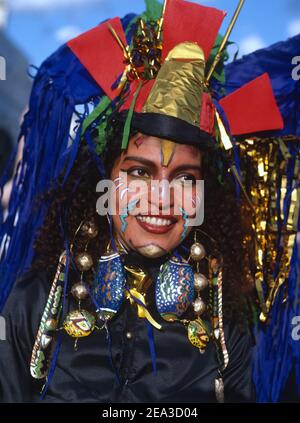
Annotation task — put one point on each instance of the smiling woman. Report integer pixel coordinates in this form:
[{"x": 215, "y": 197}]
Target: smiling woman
[
  {"x": 153, "y": 304},
  {"x": 144, "y": 160}
]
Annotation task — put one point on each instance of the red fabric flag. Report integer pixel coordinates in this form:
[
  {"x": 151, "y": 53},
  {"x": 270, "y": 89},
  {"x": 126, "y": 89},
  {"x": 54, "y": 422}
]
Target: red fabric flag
[
  {"x": 100, "y": 53},
  {"x": 186, "y": 21},
  {"x": 252, "y": 108}
]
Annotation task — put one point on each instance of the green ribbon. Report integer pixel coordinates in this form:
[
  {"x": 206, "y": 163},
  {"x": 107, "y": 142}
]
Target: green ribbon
[
  {"x": 127, "y": 126},
  {"x": 99, "y": 109}
]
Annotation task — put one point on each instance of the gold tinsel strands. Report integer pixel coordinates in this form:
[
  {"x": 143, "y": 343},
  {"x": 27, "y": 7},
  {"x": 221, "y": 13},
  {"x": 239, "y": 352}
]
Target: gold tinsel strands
[
  {"x": 145, "y": 51},
  {"x": 267, "y": 160},
  {"x": 142, "y": 58}
]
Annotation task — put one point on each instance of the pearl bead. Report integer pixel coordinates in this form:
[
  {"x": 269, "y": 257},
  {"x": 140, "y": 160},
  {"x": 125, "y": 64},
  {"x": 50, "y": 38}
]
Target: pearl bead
[
  {"x": 79, "y": 291},
  {"x": 89, "y": 229},
  {"x": 84, "y": 262},
  {"x": 197, "y": 251},
  {"x": 199, "y": 306},
  {"x": 200, "y": 281}
]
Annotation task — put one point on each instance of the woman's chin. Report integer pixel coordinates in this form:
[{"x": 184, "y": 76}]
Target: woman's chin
[
  {"x": 148, "y": 243},
  {"x": 151, "y": 250}
]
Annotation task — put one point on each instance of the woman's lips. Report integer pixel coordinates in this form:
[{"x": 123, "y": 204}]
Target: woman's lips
[{"x": 156, "y": 224}]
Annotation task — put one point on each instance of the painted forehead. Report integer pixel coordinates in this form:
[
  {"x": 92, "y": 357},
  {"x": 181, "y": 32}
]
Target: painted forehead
[{"x": 166, "y": 150}]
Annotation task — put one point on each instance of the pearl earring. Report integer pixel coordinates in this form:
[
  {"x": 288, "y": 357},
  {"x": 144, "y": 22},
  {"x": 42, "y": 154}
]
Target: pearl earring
[{"x": 197, "y": 253}]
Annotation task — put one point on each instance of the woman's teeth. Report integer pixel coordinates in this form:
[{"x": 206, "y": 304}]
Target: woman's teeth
[{"x": 155, "y": 220}]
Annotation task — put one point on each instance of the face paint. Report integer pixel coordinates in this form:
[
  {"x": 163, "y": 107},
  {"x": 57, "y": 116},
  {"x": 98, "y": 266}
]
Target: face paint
[
  {"x": 139, "y": 140},
  {"x": 123, "y": 192},
  {"x": 156, "y": 225},
  {"x": 120, "y": 182},
  {"x": 129, "y": 208},
  {"x": 167, "y": 152},
  {"x": 186, "y": 223},
  {"x": 151, "y": 251}
]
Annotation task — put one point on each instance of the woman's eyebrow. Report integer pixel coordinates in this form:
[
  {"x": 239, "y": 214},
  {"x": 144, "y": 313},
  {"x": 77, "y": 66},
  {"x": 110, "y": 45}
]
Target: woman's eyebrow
[
  {"x": 187, "y": 166},
  {"x": 150, "y": 164},
  {"x": 140, "y": 160}
]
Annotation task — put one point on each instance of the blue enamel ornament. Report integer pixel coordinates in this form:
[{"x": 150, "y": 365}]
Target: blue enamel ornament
[
  {"x": 174, "y": 289},
  {"x": 109, "y": 284}
]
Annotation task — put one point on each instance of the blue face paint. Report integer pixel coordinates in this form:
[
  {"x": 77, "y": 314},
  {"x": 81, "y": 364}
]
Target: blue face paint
[
  {"x": 129, "y": 208},
  {"x": 186, "y": 222}
]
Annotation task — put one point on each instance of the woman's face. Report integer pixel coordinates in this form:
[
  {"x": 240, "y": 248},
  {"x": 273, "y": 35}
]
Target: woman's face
[{"x": 153, "y": 179}]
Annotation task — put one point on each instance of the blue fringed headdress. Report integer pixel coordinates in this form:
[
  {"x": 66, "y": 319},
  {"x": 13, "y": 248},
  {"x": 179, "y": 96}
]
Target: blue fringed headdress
[{"x": 62, "y": 96}]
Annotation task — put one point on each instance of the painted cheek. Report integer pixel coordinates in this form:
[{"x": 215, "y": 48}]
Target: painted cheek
[
  {"x": 188, "y": 198},
  {"x": 138, "y": 193},
  {"x": 126, "y": 212},
  {"x": 131, "y": 198},
  {"x": 123, "y": 191}
]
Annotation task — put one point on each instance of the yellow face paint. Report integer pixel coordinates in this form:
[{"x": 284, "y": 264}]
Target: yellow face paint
[{"x": 167, "y": 152}]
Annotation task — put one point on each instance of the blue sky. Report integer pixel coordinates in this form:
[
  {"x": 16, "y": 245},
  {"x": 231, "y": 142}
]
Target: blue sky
[{"x": 39, "y": 27}]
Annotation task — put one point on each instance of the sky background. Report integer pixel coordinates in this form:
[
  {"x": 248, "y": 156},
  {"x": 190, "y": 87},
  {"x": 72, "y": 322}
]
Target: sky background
[{"x": 39, "y": 27}]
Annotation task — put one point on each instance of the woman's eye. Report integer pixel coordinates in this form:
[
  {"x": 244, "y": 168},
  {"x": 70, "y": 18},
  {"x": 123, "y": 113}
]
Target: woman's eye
[
  {"x": 184, "y": 178},
  {"x": 139, "y": 172}
]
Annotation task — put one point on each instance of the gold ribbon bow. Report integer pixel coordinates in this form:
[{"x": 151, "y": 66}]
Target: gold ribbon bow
[{"x": 139, "y": 282}]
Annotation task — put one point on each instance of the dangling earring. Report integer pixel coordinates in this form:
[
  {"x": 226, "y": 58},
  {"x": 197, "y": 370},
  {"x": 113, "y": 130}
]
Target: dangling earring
[
  {"x": 84, "y": 263},
  {"x": 79, "y": 322},
  {"x": 198, "y": 333},
  {"x": 197, "y": 253}
]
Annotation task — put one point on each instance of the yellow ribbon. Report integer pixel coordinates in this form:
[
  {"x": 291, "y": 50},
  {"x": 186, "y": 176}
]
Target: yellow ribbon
[{"x": 132, "y": 295}]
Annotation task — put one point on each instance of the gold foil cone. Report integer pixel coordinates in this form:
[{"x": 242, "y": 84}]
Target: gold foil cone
[{"x": 178, "y": 87}]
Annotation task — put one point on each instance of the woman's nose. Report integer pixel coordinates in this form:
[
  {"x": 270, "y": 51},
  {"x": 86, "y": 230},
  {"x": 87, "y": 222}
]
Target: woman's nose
[{"x": 162, "y": 195}]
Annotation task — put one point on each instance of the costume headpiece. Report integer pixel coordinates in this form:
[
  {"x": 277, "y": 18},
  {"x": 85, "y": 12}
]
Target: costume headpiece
[{"x": 164, "y": 87}]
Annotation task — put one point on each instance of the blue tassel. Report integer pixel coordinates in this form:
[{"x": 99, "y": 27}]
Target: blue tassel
[
  {"x": 109, "y": 341},
  {"x": 111, "y": 360},
  {"x": 152, "y": 346}
]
